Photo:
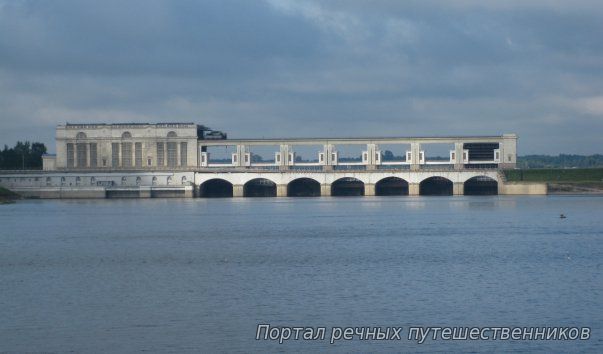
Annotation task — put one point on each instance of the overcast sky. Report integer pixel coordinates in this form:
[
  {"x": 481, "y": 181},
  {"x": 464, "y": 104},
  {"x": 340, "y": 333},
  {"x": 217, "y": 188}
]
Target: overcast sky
[{"x": 281, "y": 68}]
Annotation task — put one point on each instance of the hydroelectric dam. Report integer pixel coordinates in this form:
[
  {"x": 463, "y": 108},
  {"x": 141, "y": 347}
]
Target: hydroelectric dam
[{"x": 140, "y": 160}]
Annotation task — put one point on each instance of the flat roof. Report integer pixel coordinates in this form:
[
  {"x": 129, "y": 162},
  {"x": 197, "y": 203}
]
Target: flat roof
[{"x": 80, "y": 124}]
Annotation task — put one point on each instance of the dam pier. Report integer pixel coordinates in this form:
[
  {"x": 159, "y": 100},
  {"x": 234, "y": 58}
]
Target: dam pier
[{"x": 187, "y": 160}]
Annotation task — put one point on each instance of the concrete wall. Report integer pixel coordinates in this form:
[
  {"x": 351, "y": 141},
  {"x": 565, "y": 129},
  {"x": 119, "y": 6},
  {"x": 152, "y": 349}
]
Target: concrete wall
[
  {"x": 49, "y": 162},
  {"x": 523, "y": 188},
  {"x": 44, "y": 184}
]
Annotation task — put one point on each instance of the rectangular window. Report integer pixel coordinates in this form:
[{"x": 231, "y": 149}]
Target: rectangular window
[
  {"x": 93, "y": 155},
  {"x": 160, "y": 154},
  {"x": 70, "y": 155},
  {"x": 138, "y": 154},
  {"x": 115, "y": 155},
  {"x": 183, "y": 154},
  {"x": 172, "y": 152},
  {"x": 126, "y": 154}
]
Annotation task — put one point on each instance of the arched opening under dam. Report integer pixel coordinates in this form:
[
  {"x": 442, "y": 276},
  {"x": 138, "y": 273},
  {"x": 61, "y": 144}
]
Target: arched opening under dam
[
  {"x": 391, "y": 186},
  {"x": 481, "y": 185},
  {"x": 303, "y": 187},
  {"x": 435, "y": 186},
  {"x": 259, "y": 187},
  {"x": 347, "y": 187},
  {"x": 215, "y": 188}
]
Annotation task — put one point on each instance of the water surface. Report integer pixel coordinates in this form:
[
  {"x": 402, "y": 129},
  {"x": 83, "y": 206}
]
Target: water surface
[{"x": 198, "y": 275}]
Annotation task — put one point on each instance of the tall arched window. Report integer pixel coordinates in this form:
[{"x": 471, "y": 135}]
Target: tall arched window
[{"x": 126, "y": 150}]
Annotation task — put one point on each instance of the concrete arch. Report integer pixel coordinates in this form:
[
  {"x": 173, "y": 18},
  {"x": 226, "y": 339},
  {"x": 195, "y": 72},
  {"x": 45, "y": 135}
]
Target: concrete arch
[
  {"x": 346, "y": 187},
  {"x": 480, "y": 185},
  {"x": 436, "y": 185},
  {"x": 467, "y": 177},
  {"x": 216, "y": 188},
  {"x": 259, "y": 187},
  {"x": 303, "y": 187},
  {"x": 230, "y": 178},
  {"x": 391, "y": 186},
  {"x": 272, "y": 179},
  {"x": 362, "y": 177},
  {"x": 288, "y": 178}
]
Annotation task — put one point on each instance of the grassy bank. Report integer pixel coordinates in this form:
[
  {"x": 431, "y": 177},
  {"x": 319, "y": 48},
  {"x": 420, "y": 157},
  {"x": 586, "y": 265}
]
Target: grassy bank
[
  {"x": 556, "y": 175},
  {"x": 7, "y": 196},
  {"x": 562, "y": 180}
]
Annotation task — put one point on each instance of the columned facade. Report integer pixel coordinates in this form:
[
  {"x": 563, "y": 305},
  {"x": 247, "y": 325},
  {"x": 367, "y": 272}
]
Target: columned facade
[{"x": 126, "y": 146}]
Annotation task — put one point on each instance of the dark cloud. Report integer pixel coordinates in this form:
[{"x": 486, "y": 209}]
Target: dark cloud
[{"x": 308, "y": 68}]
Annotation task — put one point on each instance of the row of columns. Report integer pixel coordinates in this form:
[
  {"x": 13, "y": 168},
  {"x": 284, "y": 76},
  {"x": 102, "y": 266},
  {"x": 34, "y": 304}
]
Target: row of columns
[
  {"x": 329, "y": 149},
  {"x": 369, "y": 189}
]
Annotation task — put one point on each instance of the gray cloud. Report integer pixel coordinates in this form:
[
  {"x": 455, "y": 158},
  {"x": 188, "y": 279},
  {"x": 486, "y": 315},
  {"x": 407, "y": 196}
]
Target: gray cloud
[{"x": 308, "y": 68}]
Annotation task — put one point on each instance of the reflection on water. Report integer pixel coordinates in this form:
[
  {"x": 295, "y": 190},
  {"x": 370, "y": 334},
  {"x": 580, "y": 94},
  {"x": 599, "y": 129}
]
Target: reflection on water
[{"x": 199, "y": 275}]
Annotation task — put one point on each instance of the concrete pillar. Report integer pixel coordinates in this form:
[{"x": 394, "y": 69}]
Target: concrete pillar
[
  {"x": 369, "y": 189},
  {"x": 413, "y": 189},
  {"x": 458, "y": 151},
  {"x": 458, "y": 188},
  {"x": 284, "y": 151},
  {"x": 501, "y": 187},
  {"x": 120, "y": 161},
  {"x": 371, "y": 163},
  {"x": 144, "y": 192},
  {"x": 281, "y": 190},
  {"x": 88, "y": 155},
  {"x": 325, "y": 190},
  {"x": 237, "y": 190},
  {"x": 508, "y": 151},
  {"x": 327, "y": 168},
  {"x": 415, "y": 148}
]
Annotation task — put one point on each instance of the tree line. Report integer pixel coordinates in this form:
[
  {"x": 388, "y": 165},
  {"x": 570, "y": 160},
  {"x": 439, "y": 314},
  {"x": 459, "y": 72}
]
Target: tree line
[
  {"x": 23, "y": 156},
  {"x": 560, "y": 161}
]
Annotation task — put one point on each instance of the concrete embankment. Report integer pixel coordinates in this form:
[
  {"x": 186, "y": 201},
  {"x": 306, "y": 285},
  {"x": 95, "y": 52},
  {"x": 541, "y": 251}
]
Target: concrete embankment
[
  {"x": 523, "y": 188},
  {"x": 587, "y": 181},
  {"x": 104, "y": 192}
]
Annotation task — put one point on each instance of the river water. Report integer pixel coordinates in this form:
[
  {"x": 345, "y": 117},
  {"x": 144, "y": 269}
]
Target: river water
[{"x": 198, "y": 275}]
